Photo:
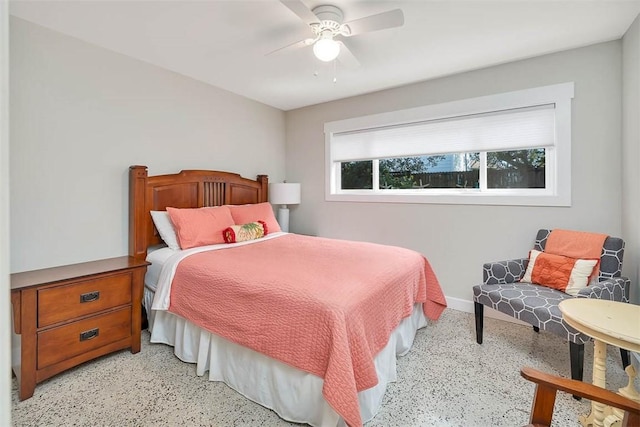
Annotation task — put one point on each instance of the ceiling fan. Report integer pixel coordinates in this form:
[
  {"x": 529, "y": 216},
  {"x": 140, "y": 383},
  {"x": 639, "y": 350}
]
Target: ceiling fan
[{"x": 327, "y": 29}]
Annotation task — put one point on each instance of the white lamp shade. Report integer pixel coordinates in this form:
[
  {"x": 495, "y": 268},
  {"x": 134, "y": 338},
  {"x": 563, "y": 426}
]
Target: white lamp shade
[
  {"x": 326, "y": 49},
  {"x": 284, "y": 193}
]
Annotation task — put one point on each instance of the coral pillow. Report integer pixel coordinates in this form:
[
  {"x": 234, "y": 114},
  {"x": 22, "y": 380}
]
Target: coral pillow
[
  {"x": 243, "y": 214},
  {"x": 200, "y": 227},
  {"x": 244, "y": 232},
  {"x": 558, "y": 272}
]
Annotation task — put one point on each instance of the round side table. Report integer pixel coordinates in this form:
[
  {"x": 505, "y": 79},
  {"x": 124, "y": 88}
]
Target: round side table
[{"x": 607, "y": 322}]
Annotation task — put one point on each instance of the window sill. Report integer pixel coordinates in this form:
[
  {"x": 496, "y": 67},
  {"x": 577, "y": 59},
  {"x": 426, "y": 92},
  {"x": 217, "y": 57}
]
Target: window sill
[{"x": 507, "y": 198}]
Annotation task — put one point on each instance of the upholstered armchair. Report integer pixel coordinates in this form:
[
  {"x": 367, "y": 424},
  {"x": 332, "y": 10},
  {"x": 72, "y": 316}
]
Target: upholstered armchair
[{"x": 538, "y": 305}]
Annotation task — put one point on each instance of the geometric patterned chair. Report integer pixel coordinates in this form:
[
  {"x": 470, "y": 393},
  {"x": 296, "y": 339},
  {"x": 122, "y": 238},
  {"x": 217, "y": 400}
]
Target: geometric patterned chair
[{"x": 538, "y": 305}]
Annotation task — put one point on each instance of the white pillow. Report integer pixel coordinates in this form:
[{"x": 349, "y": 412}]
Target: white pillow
[{"x": 165, "y": 228}]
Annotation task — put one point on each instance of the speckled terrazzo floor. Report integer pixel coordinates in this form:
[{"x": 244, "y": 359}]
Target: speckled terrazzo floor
[{"x": 445, "y": 380}]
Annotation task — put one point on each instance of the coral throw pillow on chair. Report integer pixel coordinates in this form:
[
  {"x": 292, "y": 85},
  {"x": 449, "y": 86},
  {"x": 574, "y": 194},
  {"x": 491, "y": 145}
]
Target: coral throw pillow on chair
[{"x": 558, "y": 272}]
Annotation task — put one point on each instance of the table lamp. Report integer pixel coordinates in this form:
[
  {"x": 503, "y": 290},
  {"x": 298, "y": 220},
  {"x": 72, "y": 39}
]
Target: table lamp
[{"x": 283, "y": 194}]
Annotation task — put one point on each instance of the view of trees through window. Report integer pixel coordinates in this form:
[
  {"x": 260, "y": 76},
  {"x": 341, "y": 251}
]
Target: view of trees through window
[
  {"x": 505, "y": 169},
  {"x": 357, "y": 175},
  {"x": 516, "y": 169}
]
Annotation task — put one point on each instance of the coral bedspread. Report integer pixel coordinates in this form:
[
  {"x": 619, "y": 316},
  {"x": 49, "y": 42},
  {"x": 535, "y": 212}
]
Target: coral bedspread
[{"x": 324, "y": 306}]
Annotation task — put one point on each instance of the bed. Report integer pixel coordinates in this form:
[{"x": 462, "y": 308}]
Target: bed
[{"x": 237, "y": 310}]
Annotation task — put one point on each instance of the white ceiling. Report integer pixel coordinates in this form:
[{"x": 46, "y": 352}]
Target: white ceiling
[{"x": 224, "y": 43}]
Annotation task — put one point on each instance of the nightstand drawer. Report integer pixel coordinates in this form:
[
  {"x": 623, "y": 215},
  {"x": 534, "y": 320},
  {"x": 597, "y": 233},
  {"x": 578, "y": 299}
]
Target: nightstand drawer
[
  {"x": 64, "y": 342},
  {"x": 68, "y": 302}
]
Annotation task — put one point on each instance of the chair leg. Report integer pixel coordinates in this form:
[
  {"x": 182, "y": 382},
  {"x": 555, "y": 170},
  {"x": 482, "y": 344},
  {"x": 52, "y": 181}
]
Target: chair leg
[
  {"x": 536, "y": 329},
  {"x": 624, "y": 354},
  {"x": 479, "y": 311},
  {"x": 576, "y": 351}
]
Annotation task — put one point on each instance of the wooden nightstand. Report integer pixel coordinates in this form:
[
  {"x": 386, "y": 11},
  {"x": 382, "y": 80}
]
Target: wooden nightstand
[{"x": 64, "y": 316}]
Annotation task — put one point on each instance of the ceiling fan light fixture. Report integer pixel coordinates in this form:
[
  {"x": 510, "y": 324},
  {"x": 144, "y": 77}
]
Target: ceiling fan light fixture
[{"x": 326, "y": 49}]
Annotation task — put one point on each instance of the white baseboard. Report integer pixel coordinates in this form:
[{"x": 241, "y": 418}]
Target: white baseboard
[{"x": 467, "y": 307}]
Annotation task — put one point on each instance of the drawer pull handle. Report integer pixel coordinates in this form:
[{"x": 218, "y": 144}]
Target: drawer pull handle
[
  {"x": 90, "y": 296},
  {"x": 90, "y": 334}
]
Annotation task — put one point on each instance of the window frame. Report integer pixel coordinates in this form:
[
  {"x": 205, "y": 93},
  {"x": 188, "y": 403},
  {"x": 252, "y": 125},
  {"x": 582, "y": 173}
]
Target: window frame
[{"x": 557, "y": 165}]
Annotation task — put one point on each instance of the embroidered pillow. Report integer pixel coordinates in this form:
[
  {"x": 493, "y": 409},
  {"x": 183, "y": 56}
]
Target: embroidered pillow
[
  {"x": 165, "y": 229},
  {"x": 201, "y": 226},
  {"x": 243, "y": 214},
  {"x": 244, "y": 232},
  {"x": 558, "y": 272}
]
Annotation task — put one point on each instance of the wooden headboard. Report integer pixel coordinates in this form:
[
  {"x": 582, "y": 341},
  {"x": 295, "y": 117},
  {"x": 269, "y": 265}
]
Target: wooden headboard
[{"x": 186, "y": 189}]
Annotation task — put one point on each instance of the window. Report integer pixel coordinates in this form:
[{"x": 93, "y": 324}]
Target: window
[{"x": 512, "y": 149}]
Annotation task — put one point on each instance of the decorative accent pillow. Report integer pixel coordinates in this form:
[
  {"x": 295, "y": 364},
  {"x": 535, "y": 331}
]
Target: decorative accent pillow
[
  {"x": 200, "y": 226},
  {"x": 244, "y": 232},
  {"x": 165, "y": 229},
  {"x": 243, "y": 214},
  {"x": 558, "y": 272}
]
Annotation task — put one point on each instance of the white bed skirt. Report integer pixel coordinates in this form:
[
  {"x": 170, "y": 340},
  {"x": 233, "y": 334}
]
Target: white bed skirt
[{"x": 293, "y": 394}]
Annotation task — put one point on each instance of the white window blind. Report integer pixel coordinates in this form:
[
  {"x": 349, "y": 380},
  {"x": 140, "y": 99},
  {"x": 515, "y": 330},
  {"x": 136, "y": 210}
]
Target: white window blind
[{"x": 531, "y": 127}]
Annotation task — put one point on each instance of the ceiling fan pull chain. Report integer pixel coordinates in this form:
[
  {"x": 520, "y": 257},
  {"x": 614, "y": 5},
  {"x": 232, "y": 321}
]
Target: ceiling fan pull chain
[{"x": 335, "y": 67}]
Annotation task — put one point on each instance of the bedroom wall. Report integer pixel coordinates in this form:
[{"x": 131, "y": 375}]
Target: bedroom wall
[
  {"x": 81, "y": 115},
  {"x": 631, "y": 152},
  {"x": 458, "y": 239},
  {"x": 5, "y": 320}
]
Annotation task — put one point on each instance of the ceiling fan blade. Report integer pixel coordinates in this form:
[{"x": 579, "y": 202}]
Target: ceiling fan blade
[
  {"x": 381, "y": 21},
  {"x": 301, "y": 9},
  {"x": 346, "y": 57},
  {"x": 293, "y": 46}
]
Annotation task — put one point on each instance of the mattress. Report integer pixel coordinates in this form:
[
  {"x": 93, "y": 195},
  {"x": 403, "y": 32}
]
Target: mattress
[
  {"x": 157, "y": 256},
  {"x": 299, "y": 394}
]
